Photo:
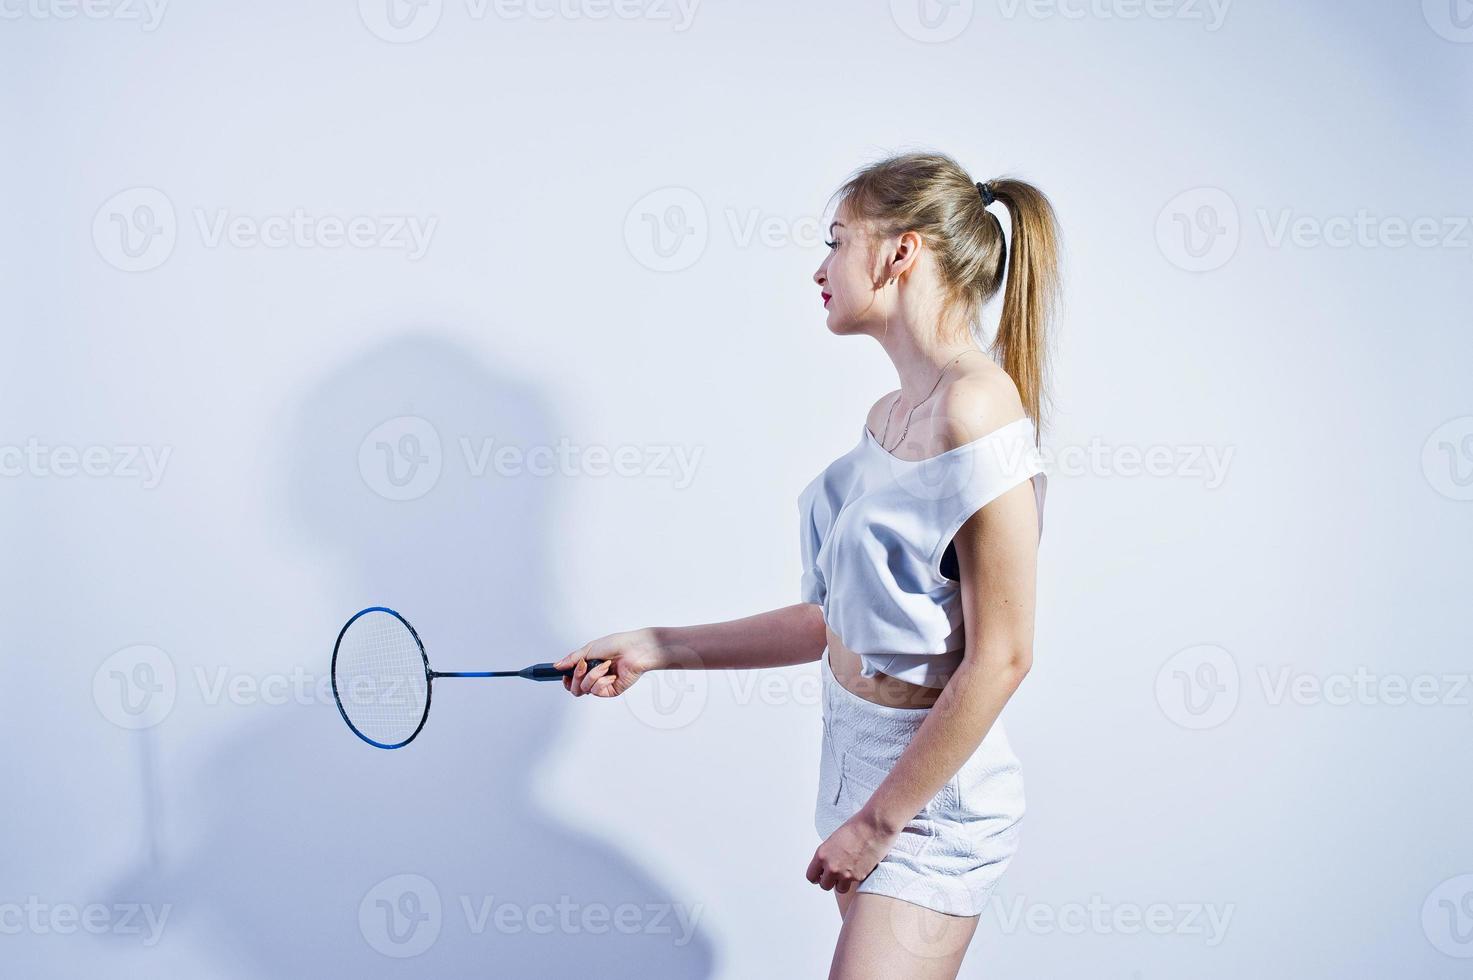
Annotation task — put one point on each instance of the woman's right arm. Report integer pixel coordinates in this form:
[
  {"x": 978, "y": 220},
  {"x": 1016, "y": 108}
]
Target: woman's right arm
[{"x": 777, "y": 638}]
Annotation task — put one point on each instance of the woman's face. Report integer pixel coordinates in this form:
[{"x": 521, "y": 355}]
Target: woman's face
[{"x": 847, "y": 280}]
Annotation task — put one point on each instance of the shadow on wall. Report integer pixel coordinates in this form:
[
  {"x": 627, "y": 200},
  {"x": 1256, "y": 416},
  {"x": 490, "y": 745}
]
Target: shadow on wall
[{"x": 317, "y": 855}]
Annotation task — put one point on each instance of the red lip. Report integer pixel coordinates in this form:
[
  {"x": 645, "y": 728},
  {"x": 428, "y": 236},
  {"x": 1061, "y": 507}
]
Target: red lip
[{"x": 826, "y": 298}]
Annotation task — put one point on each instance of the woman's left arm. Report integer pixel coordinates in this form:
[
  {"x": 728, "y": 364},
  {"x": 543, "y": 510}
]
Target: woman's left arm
[{"x": 997, "y": 554}]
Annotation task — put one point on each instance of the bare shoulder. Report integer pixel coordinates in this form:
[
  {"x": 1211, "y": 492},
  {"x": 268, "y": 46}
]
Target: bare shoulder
[
  {"x": 880, "y": 410},
  {"x": 975, "y": 403}
]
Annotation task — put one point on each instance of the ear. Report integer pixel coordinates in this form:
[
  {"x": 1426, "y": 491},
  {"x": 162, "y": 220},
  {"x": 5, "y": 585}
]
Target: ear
[{"x": 907, "y": 248}]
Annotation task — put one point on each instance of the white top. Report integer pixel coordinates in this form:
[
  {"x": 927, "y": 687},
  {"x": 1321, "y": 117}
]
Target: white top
[{"x": 876, "y": 532}]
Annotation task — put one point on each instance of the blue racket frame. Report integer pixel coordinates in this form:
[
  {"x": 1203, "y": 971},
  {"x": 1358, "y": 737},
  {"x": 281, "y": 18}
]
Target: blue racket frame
[
  {"x": 430, "y": 676},
  {"x": 536, "y": 672}
]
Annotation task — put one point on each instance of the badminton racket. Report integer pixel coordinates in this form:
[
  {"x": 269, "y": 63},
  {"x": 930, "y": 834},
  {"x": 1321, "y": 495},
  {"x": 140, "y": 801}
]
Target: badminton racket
[{"x": 382, "y": 681}]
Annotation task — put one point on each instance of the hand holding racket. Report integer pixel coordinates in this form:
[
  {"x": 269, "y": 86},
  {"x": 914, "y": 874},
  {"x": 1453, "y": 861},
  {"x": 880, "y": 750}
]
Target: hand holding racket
[
  {"x": 381, "y": 677},
  {"x": 617, "y": 662}
]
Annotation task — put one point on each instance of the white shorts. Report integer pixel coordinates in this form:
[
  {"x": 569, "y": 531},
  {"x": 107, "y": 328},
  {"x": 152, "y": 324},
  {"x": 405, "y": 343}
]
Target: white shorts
[{"x": 948, "y": 857}]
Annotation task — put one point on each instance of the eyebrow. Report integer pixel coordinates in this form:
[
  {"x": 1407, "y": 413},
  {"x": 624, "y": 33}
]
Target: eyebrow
[{"x": 835, "y": 224}]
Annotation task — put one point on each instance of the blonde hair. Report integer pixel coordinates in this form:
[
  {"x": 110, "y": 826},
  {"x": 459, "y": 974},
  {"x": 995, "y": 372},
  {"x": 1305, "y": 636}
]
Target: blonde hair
[{"x": 930, "y": 194}]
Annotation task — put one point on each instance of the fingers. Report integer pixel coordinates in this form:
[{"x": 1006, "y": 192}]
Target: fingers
[
  {"x": 602, "y": 680},
  {"x": 606, "y": 686},
  {"x": 819, "y": 874},
  {"x": 591, "y": 677},
  {"x": 570, "y": 681},
  {"x": 568, "y": 660},
  {"x": 583, "y": 679}
]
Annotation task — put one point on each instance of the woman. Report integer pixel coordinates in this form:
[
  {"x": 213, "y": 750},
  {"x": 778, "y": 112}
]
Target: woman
[{"x": 919, "y": 548}]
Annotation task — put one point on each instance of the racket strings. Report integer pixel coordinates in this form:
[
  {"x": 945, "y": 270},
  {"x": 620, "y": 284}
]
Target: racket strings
[{"x": 380, "y": 673}]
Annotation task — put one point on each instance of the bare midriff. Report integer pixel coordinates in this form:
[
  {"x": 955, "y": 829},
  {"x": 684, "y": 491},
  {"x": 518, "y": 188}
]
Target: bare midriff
[{"x": 879, "y": 689}]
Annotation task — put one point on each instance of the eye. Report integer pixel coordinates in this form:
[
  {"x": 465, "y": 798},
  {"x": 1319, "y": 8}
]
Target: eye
[{"x": 832, "y": 245}]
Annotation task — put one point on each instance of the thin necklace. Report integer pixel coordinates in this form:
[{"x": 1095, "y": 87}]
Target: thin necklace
[{"x": 918, "y": 404}]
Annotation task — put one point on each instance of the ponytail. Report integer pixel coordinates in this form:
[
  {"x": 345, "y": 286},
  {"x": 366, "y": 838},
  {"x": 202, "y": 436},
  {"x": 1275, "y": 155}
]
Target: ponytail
[{"x": 1030, "y": 292}]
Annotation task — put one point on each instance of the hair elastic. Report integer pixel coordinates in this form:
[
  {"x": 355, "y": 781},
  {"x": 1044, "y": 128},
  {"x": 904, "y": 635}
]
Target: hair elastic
[{"x": 987, "y": 196}]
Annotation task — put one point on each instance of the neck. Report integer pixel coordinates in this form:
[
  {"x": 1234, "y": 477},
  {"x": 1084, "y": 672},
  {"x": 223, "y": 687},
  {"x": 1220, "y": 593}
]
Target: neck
[{"x": 919, "y": 357}]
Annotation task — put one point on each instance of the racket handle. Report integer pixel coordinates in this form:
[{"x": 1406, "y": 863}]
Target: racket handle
[{"x": 547, "y": 672}]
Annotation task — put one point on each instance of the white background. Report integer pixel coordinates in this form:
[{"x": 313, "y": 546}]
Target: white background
[{"x": 1333, "y": 379}]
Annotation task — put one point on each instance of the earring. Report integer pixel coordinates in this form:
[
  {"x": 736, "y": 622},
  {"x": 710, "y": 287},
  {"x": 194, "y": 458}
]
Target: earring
[{"x": 887, "y": 314}]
